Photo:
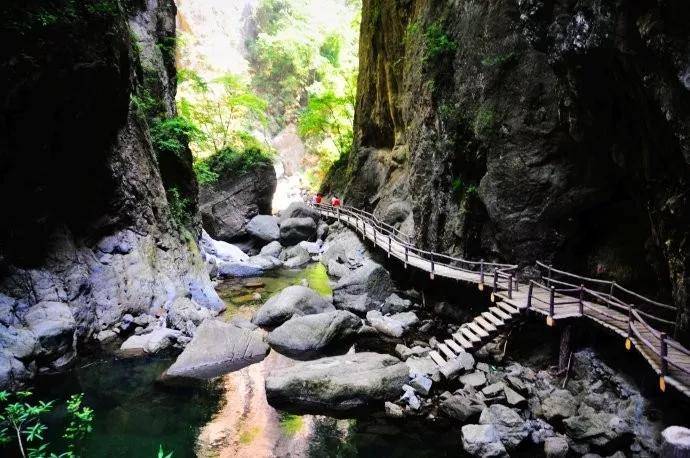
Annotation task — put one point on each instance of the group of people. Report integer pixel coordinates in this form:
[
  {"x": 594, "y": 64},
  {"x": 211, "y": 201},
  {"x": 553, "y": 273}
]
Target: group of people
[{"x": 318, "y": 198}]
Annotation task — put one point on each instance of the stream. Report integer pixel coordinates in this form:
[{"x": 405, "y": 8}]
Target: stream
[{"x": 229, "y": 418}]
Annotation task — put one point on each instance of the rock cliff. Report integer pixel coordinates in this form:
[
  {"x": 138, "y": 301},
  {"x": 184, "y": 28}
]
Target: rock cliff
[
  {"x": 530, "y": 129},
  {"x": 87, "y": 232}
]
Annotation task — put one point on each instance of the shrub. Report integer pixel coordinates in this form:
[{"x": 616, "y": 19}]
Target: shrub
[
  {"x": 438, "y": 42},
  {"x": 179, "y": 207},
  {"x": 484, "y": 121},
  {"x": 172, "y": 135}
]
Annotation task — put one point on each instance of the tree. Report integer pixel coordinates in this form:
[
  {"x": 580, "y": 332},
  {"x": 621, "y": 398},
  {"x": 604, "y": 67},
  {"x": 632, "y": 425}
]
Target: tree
[{"x": 328, "y": 117}]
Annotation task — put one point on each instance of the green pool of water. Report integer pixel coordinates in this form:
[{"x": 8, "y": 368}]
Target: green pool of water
[{"x": 244, "y": 295}]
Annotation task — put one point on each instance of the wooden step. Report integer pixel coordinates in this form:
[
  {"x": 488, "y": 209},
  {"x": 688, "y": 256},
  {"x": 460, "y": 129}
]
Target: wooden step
[
  {"x": 453, "y": 346},
  {"x": 493, "y": 319},
  {"x": 459, "y": 338},
  {"x": 485, "y": 324},
  {"x": 478, "y": 329},
  {"x": 467, "y": 332},
  {"x": 506, "y": 307},
  {"x": 446, "y": 351},
  {"x": 500, "y": 313},
  {"x": 438, "y": 359}
]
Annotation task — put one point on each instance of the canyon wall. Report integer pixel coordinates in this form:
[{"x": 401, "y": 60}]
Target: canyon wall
[
  {"x": 526, "y": 130},
  {"x": 90, "y": 227}
]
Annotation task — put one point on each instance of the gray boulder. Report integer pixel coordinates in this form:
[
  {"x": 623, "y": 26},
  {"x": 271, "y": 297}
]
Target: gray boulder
[
  {"x": 462, "y": 363},
  {"x": 294, "y": 300},
  {"x": 601, "y": 429},
  {"x": 559, "y": 405},
  {"x": 299, "y": 210},
  {"x": 217, "y": 348},
  {"x": 675, "y": 442},
  {"x": 423, "y": 365},
  {"x": 264, "y": 227},
  {"x": 384, "y": 324},
  {"x": 53, "y": 325},
  {"x": 482, "y": 440},
  {"x": 475, "y": 379},
  {"x": 344, "y": 246},
  {"x": 17, "y": 342},
  {"x": 294, "y": 256},
  {"x": 462, "y": 407},
  {"x": 312, "y": 248},
  {"x": 395, "y": 304},
  {"x": 12, "y": 372},
  {"x": 155, "y": 341},
  {"x": 295, "y": 230},
  {"x": 239, "y": 269},
  {"x": 228, "y": 204},
  {"x": 337, "y": 269},
  {"x": 338, "y": 384},
  {"x": 406, "y": 319},
  {"x": 556, "y": 447},
  {"x": 310, "y": 335},
  {"x": 265, "y": 262},
  {"x": 185, "y": 314},
  {"x": 272, "y": 249},
  {"x": 220, "y": 250},
  {"x": 363, "y": 289},
  {"x": 511, "y": 428}
]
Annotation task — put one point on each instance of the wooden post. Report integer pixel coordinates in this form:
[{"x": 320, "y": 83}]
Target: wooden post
[
  {"x": 515, "y": 283},
  {"x": 481, "y": 272},
  {"x": 389, "y": 246},
  {"x": 581, "y": 303},
  {"x": 613, "y": 283},
  {"x": 431, "y": 275},
  {"x": 564, "y": 348},
  {"x": 510, "y": 287},
  {"x": 548, "y": 279},
  {"x": 628, "y": 339},
  {"x": 664, "y": 362},
  {"x": 406, "y": 256},
  {"x": 529, "y": 294},
  {"x": 374, "y": 228},
  {"x": 552, "y": 304},
  {"x": 495, "y": 280}
]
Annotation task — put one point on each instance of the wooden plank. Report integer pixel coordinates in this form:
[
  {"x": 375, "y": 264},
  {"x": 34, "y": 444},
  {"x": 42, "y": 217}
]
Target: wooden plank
[
  {"x": 508, "y": 308},
  {"x": 438, "y": 359},
  {"x": 446, "y": 351},
  {"x": 459, "y": 338},
  {"x": 467, "y": 332},
  {"x": 485, "y": 324},
  {"x": 500, "y": 313},
  {"x": 477, "y": 329},
  {"x": 493, "y": 319},
  {"x": 453, "y": 346}
]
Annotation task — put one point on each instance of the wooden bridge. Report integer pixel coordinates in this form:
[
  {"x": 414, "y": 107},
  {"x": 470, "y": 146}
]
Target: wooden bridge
[{"x": 645, "y": 324}]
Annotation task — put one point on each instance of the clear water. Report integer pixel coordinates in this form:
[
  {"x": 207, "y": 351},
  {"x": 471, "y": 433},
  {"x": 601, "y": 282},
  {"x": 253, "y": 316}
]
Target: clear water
[{"x": 134, "y": 415}]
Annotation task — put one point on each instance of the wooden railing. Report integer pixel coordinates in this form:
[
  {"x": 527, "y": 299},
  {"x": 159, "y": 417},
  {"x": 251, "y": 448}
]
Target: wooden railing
[{"x": 591, "y": 297}]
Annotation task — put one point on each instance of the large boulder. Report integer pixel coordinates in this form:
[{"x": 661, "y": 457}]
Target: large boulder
[
  {"x": 482, "y": 440},
  {"x": 265, "y": 262},
  {"x": 293, "y": 300},
  {"x": 221, "y": 251},
  {"x": 12, "y": 372},
  {"x": 511, "y": 428},
  {"x": 384, "y": 324},
  {"x": 338, "y": 384},
  {"x": 53, "y": 325},
  {"x": 217, "y": 348},
  {"x": 154, "y": 342},
  {"x": 17, "y": 342},
  {"x": 344, "y": 246},
  {"x": 295, "y": 230},
  {"x": 675, "y": 442},
  {"x": 310, "y": 335},
  {"x": 604, "y": 430},
  {"x": 271, "y": 249},
  {"x": 185, "y": 314},
  {"x": 294, "y": 256},
  {"x": 299, "y": 210},
  {"x": 227, "y": 205},
  {"x": 239, "y": 269},
  {"x": 559, "y": 405},
  {"x": 363, "y": 289},
  {"x": 462, "y": 407},
  {"x": 264, "y": 227}
]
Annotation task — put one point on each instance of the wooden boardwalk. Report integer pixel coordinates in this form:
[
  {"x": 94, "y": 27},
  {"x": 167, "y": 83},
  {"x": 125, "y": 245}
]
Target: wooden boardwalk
[{"x": 559, "y": 295}]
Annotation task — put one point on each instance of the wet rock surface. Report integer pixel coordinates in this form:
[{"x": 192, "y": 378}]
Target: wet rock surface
[{"x": 292, "y": 301}]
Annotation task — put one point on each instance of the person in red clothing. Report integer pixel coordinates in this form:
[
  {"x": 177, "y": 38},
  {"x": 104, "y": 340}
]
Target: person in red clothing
[
  {"x": 335, "y": 202},
  {"x": 317, "y": 198}
]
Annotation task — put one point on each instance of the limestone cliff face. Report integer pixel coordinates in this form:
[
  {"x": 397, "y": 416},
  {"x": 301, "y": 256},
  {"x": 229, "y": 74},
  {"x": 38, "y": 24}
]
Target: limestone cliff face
[
  {"x": 86, "y": 233},
  {"x": 530, "y": 129}
]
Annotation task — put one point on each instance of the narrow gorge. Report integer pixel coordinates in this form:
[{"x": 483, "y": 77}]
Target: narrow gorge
[{"x": 339, "y": 228}]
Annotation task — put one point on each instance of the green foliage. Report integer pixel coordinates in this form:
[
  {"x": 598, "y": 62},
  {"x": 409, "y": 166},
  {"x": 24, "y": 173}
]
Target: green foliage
[
  {"x": 484, "y": 122},
  {"x": 172, "y": 135},
  {"x": 222, "y": 109},
  {"x": 162, "y": 453},
  {"x": 498, "y": 59},
  {"x": 20, "y": 422},
  {"x": 438, "y": 43},
  {"x": 167, "y": 47},
  {"x": 290, "y": 424},
  {"x": 179, "y": 207},
  {"x": 328, "y": 116},
  {"x": 330, "y": 49},
  {"x": 203, "y": 172},
  {"x": 244, "y": 154}
]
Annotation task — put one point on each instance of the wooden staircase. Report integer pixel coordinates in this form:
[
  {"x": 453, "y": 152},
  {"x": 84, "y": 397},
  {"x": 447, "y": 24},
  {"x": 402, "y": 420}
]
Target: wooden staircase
[{"x": 475, "y": 334}]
